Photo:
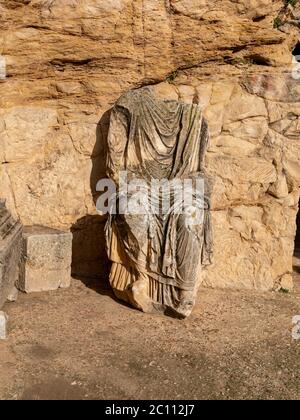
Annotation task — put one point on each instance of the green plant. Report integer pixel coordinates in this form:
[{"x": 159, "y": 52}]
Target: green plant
[
  {"x": 285, "y": 291},
  {"x": 290, "y": 2},
  {"x": 278, "y": 22},
  {"x": 171, "y": 78}
]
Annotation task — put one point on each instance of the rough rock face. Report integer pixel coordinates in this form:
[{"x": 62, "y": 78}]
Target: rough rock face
[{"x": 67, "y": 62}]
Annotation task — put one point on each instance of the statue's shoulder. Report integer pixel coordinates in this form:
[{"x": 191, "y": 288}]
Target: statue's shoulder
[{"x": 134, "y": 97}]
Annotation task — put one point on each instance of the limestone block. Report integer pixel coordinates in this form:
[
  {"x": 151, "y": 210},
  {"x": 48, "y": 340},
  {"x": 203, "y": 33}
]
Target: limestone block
[
  {"x": 46, "y": 262},
  {"x": 58, "y": 181},
  {"x": 204, "y": 93},
  {"x": 280, "y": 188},
  {"x": 243, "y": 106},
  {"x": 25, "y": 131},
  {"x": 3, "y": 325},
  {"x": 215, "y": 115},
  {"x": 187, "y": 94},
  {"x": 239, "y": 179},
  {"x": 252, "y": 129},
  {"x": 230, "y": 145},
  {"x": 286, "y": 283},
  {"x": 253, "y": 247},
  {"x": 221, "y": 92},
  {"x": 83, "y": 137}
]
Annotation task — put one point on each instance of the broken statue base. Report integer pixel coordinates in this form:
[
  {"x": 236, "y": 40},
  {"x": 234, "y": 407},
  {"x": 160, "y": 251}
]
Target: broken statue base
[{"x": 139, "y": 296}]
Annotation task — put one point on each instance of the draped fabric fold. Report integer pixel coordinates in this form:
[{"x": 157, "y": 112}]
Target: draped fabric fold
[{"x": 155, "y": 140}]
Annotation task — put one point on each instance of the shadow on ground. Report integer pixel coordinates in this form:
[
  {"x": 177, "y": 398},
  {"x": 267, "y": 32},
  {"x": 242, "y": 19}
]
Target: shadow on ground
[{"x": 89, "y": 255}]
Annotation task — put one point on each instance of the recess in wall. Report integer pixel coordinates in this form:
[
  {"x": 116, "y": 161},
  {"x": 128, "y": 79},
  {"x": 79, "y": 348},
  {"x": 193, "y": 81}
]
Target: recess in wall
[{"x": 296, "y": 52}]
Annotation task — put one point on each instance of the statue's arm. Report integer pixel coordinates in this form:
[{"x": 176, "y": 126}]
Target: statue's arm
[
  {"x": 204, "y": 143},
  {"x": 198, "y": 165},
  {"x": 117, "y": 140}
]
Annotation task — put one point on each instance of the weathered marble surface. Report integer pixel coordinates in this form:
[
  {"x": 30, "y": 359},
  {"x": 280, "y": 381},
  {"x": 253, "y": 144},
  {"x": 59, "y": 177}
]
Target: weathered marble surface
[
  {"x": 157, "y": 253},
  {"x": 10, "y": 252}
]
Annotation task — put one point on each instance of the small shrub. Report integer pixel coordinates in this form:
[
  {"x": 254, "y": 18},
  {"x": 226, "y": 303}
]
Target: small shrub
[
  {"x": 290, "y": 2},
  {"x": 278, "y": 22},
  {"x": 172, "y": 77},
  {"x": 285, "y": 291}
]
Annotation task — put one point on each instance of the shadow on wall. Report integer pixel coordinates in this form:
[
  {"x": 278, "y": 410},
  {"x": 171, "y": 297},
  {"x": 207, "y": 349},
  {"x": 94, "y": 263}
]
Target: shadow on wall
[
  {"x": 297, "y": 240},
  {"x": 89, "y": 255},
  {"x": 296, "y": 260}
]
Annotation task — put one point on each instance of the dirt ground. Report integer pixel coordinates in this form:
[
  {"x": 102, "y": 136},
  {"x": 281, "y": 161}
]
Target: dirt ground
[{"x": 81, "y": 343}]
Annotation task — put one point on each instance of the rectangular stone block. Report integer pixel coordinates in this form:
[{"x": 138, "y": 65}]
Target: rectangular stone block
[
  {"x": 46, "y": 261},
  {"x": 10, "y": 252},
  {"x": 3, "y": 325}
]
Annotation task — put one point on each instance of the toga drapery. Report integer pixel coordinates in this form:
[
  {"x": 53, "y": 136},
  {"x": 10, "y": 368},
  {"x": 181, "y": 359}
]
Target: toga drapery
[{"x": 158, "y": 139}]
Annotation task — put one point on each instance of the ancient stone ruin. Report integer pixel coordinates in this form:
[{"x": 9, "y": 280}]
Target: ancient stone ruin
[
  {"x": 32, "y": 259},
  {"x": 158, "y": 243},
  {"x": 10, "y": 252},
  {"x": 46, "y": 259},
  {"x": 64, "y": 65}
]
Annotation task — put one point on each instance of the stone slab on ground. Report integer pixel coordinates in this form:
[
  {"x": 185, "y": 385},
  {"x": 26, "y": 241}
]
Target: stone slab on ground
[
  {"x": 3, "y": 325},
  {"x": 10, "y": 252},
  {"x": 47, "y": 258}
]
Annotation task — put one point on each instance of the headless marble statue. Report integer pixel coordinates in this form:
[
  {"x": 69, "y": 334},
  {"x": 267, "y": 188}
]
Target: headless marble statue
[{"x": 157, "y": 256}]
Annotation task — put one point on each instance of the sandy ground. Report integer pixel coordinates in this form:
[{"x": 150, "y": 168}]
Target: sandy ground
[{"x": 81, "y": 343}]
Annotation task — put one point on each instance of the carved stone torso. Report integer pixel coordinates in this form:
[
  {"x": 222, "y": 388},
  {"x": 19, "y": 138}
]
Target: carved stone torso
[{"x": 157, "y": 257}]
